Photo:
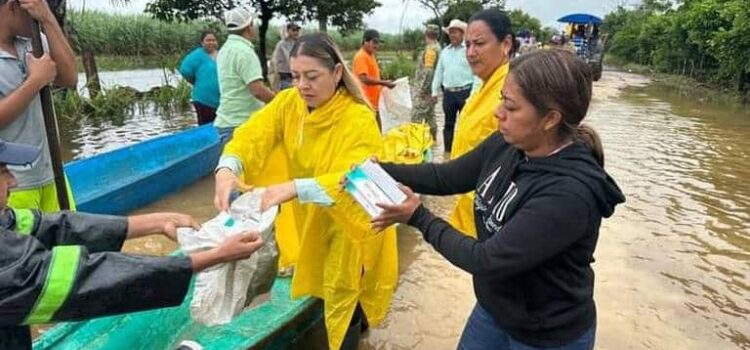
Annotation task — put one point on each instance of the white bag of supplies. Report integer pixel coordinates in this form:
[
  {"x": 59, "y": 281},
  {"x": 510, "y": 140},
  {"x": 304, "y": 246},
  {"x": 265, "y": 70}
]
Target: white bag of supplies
[
  {"x": 224, "y": 290},
  {"x": 396, "y": 103}
]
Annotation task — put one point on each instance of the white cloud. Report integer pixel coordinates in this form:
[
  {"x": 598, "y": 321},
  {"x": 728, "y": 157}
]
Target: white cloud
[
  {"x": 394, "y": 16},
  {"x": 549, "y": 11}
]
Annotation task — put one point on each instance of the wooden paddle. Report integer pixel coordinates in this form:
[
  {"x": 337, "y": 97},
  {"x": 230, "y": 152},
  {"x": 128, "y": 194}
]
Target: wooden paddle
[{"x": 50, "y": 124}]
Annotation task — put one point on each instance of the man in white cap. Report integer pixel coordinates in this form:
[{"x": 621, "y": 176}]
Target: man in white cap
[
  {"x": 281, "y": 55},
  {"x": 240, "y": 75},
  {"x": 453, "y": 75}
]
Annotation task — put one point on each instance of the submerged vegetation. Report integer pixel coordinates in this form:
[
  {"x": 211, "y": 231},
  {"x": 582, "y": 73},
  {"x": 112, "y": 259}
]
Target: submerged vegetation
[{"x": 118, "y": 103}]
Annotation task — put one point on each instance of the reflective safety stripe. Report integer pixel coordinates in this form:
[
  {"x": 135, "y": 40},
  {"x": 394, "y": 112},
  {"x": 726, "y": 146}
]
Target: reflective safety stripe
[
  {"x": 24, "y": 221},
  {"x": 60, "y": 278}
]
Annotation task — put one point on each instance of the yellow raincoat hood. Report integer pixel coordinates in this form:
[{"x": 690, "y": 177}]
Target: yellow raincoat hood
[
  {"x": 475, "y": 123},
  {"x": 341, "y": 260}
]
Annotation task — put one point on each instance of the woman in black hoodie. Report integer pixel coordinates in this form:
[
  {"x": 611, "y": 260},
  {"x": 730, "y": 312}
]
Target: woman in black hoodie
[{"x": 542, "y": 192}]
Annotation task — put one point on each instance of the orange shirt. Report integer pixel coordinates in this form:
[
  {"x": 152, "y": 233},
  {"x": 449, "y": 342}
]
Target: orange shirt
[{"x": 364, "y": 63}]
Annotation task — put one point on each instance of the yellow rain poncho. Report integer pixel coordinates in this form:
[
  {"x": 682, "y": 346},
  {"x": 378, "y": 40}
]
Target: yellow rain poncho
[
  {"x": 276, "y": 171},
  {"x": 341, "y": 260},
  {"x": 407, "y": 143},
  {"x": 475, "y": 123}
]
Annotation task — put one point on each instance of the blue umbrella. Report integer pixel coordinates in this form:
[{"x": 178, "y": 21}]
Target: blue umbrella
[{"x": 580, "y": 18}]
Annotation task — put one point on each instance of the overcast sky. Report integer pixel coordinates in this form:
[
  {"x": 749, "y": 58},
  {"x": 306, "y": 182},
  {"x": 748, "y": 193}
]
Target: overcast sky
[{"x": 394, "y": 15}]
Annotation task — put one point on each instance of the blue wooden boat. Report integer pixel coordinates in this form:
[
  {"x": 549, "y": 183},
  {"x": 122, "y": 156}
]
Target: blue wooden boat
[
  {"x": 131, "y": 177},
  {"x": 120, "y": 181}
]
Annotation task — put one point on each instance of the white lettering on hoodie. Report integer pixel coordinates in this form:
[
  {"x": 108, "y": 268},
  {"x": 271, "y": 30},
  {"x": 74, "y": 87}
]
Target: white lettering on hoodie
[{"x": 494, "y": 221}]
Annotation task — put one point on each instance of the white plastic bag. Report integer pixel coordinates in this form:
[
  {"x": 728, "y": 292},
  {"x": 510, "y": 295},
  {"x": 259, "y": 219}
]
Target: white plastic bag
[
  {"x": 223, "y": 291},
  {"x": 396, "y": 103}
]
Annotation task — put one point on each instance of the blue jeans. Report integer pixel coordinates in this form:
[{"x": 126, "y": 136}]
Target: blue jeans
[
  {"x": 453, "y": 103},
  {"x": 285, "y": 80},
  {"x": 285, "y": 84},
  {"x": 483, "y": 333}
]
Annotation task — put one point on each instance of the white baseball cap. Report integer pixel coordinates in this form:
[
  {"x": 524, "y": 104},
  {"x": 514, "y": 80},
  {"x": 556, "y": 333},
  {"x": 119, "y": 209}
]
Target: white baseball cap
[{"x": 238, "y": 18}]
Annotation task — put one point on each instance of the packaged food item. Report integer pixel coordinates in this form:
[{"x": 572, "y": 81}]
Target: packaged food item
[{"x": 370, "y": 185}]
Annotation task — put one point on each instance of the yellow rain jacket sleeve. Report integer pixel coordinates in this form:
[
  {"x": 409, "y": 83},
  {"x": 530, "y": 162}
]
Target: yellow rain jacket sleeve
[
  {"x": 270, "y": 166},
  {"x": 476, "y": 122},
  {"x": 340, "y": 259}
]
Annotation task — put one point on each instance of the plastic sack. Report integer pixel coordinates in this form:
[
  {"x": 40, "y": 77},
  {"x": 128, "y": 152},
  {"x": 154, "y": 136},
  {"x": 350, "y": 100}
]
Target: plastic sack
[
  {"x": 224, "y": 290},
  {"x": 396, "y": 103}
]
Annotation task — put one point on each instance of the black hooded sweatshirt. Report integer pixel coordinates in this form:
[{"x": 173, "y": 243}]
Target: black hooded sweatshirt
[{"x": 537, "y": 221}]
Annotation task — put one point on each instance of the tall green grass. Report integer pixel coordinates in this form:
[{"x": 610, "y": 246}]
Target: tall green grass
[
  {"x": 119, "y": 63},
  {"x": 136, "y": 35},
  {"x": 400, "y": 66},
  {"x": 140, "y": 35}
]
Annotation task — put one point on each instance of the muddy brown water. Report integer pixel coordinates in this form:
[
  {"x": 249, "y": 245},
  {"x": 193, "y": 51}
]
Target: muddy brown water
[{"x": 673, "y": 263}]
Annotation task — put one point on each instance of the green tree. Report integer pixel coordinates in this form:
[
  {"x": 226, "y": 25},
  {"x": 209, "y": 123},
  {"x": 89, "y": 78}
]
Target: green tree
[
  {"x": 706, "y": 39},
  {"x": 522, "y": 21},
  {"x": 546, "y": 34},
  {"x": 463, "y": 10},
  {"x": 345, "y": 14},
  {"x": 183, "y": 10},
  {"x": 656, "y": 5},
  {"x": 730, "y": 42}
]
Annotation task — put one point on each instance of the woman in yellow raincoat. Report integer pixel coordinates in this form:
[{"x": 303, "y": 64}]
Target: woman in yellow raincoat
[
  {"x": 324, "y": 126},
  {"x": 489, "y": 40}
]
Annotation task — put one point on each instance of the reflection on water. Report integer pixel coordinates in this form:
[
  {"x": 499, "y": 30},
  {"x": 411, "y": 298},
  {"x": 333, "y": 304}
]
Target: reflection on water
[
  {"x": 196, "y": 200},
  {"x": 675, "y": 258},
  {"x": 672, "y": 264},
  {"x": 141, "y": 80},
  {"x": 85, "y": 138}
]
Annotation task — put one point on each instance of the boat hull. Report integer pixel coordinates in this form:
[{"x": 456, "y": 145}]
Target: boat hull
[{"x": 129, "y": 178}]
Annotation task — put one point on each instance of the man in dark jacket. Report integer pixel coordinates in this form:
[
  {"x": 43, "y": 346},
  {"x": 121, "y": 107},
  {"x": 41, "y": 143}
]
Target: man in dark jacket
[{"x": 66, "y": 266}]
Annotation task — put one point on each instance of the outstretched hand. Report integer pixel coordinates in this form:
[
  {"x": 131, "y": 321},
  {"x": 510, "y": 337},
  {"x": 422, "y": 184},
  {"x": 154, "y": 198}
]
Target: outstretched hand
[
  {"x": 397, "y": 213},
  {"x": 226, "y": 182},
  {"x": 236, "y": 247},
  {"x": 173, "y": 221},
  {"x": 344, "y": 180},
  {"x": 278, "y": 194}
]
